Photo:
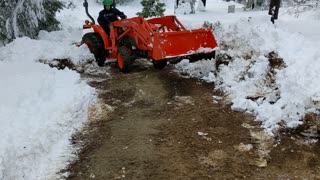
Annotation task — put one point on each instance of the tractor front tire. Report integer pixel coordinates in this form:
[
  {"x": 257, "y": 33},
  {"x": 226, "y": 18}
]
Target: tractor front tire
[
  {"x": 124, "y": 59},
  {"x": 96, "y": 47},
  {"x": 159, "y": 64}
]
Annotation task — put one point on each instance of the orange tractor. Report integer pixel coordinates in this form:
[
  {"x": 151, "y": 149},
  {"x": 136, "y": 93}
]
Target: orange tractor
[{"x": 162, "y": 40}]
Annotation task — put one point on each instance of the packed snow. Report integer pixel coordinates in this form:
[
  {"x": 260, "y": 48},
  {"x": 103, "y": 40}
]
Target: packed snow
[{"x": 41, "y": 107}]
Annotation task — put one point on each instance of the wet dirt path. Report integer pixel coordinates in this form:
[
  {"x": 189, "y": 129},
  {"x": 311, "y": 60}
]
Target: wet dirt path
[{"x": 157, "y": 125}]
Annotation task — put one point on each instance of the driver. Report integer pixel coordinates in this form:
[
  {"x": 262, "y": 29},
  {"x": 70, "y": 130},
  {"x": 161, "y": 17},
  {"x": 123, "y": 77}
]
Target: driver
[{"x": 109, "y": 14}]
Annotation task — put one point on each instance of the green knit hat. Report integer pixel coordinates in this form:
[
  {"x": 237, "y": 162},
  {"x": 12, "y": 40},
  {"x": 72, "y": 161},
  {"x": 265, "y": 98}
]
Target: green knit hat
[{"x": 107, "y": 2}]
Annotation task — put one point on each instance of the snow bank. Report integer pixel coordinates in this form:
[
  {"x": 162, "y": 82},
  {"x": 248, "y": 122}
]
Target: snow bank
[
  {"x": 280, "y": 96},
  {"x": 40, "y": 107}
]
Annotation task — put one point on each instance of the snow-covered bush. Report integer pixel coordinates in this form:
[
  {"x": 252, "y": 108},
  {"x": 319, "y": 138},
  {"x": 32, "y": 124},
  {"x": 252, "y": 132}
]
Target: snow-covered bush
[
  {"x": 185, "y": 7},
  {"x": 201, "y": 6}
]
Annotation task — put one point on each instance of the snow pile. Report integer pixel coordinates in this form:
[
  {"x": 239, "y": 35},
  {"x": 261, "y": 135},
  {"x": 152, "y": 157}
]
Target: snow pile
[
  {"x": 278, "y": 96},
  {"x": 40, "y": 107}
]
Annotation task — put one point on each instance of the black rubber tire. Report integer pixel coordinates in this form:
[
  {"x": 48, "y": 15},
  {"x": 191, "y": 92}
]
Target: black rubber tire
[
  {"x": 160, "y": 64},
  {"x": 96, "y": 46},
  {"x": 125, "y": 54},
  {"x": 127, "y": 41}
]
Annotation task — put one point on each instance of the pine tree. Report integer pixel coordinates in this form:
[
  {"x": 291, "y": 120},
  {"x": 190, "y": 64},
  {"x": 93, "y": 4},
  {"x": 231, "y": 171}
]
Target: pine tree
[
  {"x": 27, "y": 17},
  {"x": 151, "y": 8},
  {"x": 50, "y": 23}
]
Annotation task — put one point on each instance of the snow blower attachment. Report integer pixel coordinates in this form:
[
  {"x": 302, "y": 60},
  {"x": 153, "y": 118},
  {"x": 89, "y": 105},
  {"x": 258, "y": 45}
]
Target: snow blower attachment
[{"x": 162, "y": 40}]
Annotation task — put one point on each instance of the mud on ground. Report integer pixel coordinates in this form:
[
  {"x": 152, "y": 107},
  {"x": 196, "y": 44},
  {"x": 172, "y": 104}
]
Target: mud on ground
[{"x": 151, "y": 124}]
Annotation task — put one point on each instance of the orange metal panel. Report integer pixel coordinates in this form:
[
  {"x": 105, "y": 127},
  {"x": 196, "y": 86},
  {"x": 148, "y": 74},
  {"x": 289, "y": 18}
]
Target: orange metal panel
[
  {"x": 168, "y": 23},
  {"x": 181, "y": 43},
  {"x": 140, "y": 30}
]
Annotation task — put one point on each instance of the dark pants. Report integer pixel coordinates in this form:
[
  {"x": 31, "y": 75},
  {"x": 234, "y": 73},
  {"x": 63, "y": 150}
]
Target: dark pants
[
  {"x": 106, "y": 27},
  {"x": 274, "y": 4},
  {"x": 204, "y": 2}
]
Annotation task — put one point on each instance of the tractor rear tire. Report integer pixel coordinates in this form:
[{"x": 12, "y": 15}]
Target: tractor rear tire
[
  {"x": 124, "y": 59},
  {"x": 96, "y": 47},
  {"x": 159, "y": 64}
]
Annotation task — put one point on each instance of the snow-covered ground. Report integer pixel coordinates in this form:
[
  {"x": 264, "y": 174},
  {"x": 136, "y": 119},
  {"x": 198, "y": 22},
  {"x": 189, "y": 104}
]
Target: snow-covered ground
[
  {"x": 295, "y": 90},
  {"x": 41, "y": 107}
]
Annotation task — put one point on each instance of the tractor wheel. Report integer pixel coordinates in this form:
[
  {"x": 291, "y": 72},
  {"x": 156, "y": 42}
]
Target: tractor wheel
[
  {"x": 96, "y": 47},
  {"x": 160, "y": 64},
  {"x": 127, "y": 41},
  {"x": 124, "y": 59}
]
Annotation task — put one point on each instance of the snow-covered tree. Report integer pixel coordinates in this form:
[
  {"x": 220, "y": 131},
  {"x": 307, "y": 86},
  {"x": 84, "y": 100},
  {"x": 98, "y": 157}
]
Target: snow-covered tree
[
  {"x": 152, "y": 8},
  {"x": 27, "y": 17}
]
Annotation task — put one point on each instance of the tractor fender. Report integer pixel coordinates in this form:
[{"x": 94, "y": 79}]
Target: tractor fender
[{"x": 98, "y": 29}]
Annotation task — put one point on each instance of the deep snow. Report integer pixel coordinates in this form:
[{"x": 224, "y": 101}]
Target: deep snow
[{"x": 41, "y": 107}]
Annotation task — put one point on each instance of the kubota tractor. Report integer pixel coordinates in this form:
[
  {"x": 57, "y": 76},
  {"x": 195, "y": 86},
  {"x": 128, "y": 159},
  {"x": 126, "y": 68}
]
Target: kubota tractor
[{"x": 160, "y": 39}]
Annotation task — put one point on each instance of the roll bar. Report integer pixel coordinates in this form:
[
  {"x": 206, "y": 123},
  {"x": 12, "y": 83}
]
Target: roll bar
[{"x": 85, "y": 4}]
